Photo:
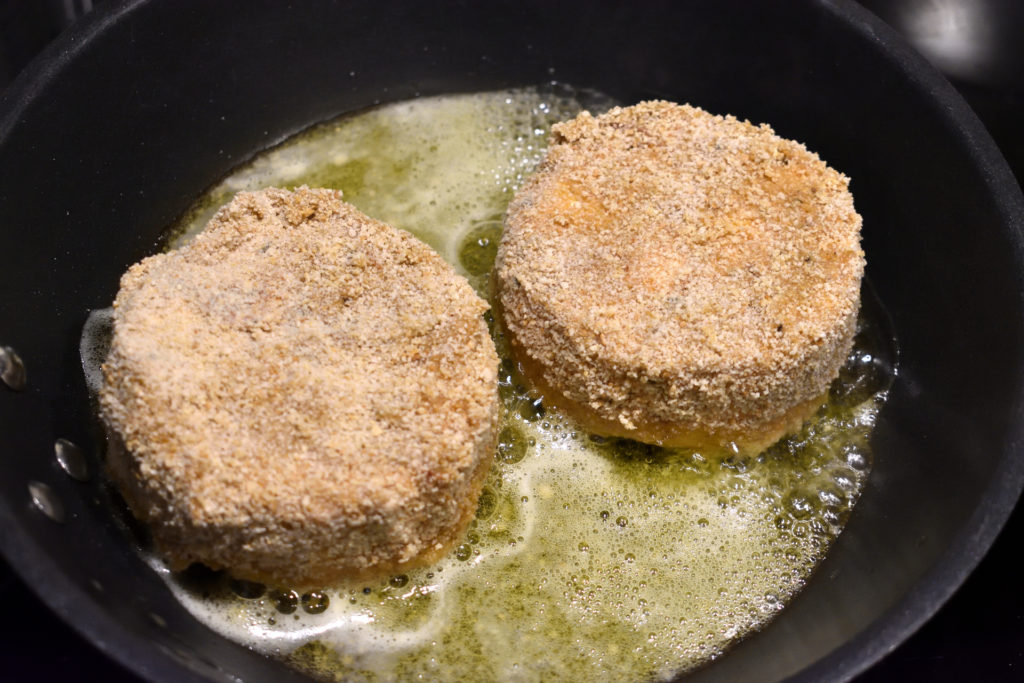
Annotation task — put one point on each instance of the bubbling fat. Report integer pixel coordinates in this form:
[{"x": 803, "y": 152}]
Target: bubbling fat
[{"x": 589, "y": 559}]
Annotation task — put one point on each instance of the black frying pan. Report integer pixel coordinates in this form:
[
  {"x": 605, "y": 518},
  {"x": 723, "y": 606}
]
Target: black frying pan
[{"x": 117, "y": 127}]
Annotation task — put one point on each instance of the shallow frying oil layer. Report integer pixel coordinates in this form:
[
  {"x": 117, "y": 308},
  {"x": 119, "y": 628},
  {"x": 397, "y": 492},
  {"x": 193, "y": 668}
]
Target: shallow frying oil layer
[{"x": 589, "y": 559}]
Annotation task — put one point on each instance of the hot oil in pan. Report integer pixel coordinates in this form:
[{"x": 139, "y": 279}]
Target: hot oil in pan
[{"x": 589, "y": 558}]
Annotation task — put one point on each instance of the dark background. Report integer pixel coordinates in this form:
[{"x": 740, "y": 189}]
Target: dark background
[{"x": 978, "y": 634}]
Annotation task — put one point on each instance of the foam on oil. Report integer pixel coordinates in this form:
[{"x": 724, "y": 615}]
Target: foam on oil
[{"x": 589, "y": 559}]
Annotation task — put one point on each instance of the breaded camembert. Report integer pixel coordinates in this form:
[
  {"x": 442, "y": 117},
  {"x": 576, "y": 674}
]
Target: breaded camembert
[
  {"x": 304, "y": 394},
  {"x": 680, "y": 278}
]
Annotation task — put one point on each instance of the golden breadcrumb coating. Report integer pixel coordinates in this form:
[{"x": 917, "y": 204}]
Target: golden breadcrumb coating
[
  {"x": 304, "y": 394},
  {"x": 681, "y": 278}
]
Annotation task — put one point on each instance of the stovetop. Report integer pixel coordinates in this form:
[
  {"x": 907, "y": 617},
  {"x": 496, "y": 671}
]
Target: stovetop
[{"x": 977, "y": 635}]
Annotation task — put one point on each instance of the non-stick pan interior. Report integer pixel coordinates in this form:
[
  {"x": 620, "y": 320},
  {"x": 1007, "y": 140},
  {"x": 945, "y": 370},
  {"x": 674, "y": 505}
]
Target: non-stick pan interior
[{"x": 129, "y": 117}]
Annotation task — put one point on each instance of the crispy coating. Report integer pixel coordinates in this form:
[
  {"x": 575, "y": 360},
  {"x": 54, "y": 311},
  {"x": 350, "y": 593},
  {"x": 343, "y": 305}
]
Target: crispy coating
[
  {"x": 304, "y": 394},
  {"x": 681, "y": 278}
]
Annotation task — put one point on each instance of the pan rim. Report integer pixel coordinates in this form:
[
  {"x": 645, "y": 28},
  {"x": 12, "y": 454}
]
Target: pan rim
[
  {"x": 931, "y": 591},
  {"x": 76, "y": 608}
]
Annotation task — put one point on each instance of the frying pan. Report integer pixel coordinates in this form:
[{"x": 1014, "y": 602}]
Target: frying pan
[{"x": 117, "y": 127}]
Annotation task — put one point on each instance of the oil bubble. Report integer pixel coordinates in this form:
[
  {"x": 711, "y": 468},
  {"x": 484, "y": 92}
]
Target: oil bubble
[
  {"x": 855, "y": 458},
  {"x": 315, "y": 602},
  {"x": 479, "y": 247},
  {"x": 285, "y": 602},
  {"x": 532, "y": 410},
  {"x": 250, "y": 590},
  {"x": 800, "y": 505},
  {"x": 511, "y": 445}
]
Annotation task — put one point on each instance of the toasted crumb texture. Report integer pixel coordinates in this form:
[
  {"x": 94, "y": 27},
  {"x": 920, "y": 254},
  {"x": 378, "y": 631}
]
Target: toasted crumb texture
[
  {"x": 681, "y": 278},
  {"x": 304, "y": 394}
]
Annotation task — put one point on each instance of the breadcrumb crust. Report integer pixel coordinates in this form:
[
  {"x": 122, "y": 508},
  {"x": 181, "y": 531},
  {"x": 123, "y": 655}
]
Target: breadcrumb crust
[
  {"x": 304, "y": 394},
  {"x": 681, "y": 278}
]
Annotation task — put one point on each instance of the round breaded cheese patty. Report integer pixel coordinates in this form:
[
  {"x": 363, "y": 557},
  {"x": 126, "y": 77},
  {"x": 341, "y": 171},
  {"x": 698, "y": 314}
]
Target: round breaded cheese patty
[
  {"x": 681, "y": 278},
  {"x": 304, "y": 394}
]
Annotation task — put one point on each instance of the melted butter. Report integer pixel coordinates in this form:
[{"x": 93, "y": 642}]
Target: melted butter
[{"x": 589, "y": 559}]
